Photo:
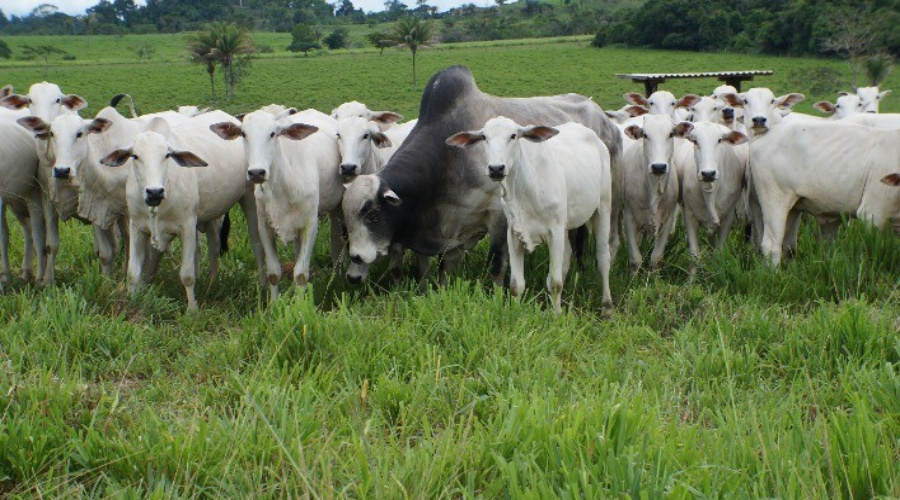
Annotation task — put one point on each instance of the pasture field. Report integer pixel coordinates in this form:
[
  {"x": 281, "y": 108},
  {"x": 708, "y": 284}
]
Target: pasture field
[{"x": 743, "y": 382}]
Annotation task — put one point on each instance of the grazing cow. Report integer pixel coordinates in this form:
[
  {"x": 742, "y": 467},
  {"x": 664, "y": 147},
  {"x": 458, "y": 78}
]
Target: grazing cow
[
  {"x": 825, "y": 168},
  {"x": 20, "y": 193},
  {"x": 433, "y": 198},
  {"x": 553, "y": 179},
  {"x": 167, "y": 200},
  {"x": 296, "y": 177},
  {"x": 46, "y": 101},
  {"x": 651, "y": 186},
  {"x": 712, "y": 182}
]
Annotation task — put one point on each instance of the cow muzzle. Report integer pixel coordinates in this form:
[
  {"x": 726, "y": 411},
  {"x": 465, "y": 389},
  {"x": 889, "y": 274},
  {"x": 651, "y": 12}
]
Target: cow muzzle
[
  {"x": 256, "y": 175},
  {"x": 354, "y": 279},
  {"x": 349, "y": 169},
  {"x": 728, "y": 115},
  {"x": 497, "y": 172},
  {"x": 659, "y": 168},
  {"x": 62, "y": 173},
  {"x": 760, "y": 124},
  {"x": 154, "y": 196}
]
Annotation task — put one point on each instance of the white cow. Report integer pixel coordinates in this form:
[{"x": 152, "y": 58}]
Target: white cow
[
  {"x": 663, "y": 102},
  {"x": 20, "y": 193},
  {"x": 46, "y": 101},
  {"x": 651, "y": 186},
  {"x": 870, "y": 98},
  {"x": 712, "y": 182},
  {"x": 384, "y": 119},
  {"x": 167, "y": 200},
  {"x": 622, "y": 115},
  {"x": 845, "y": 105},
  {"x": 296, "y": 176},
  {"x": 882, "y": 120},
  {"x": 555, "y": 180},
  {"x": 825, "y": 168}
]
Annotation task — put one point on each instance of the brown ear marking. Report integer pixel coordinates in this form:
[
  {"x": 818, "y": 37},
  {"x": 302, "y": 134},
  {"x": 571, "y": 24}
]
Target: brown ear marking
[
  {"x": 117, "y": 158},
  {"x": 187, "y": 159},
  {"x": 465, "y": 140},
  {"x": 298, "y": 131},
  {"x": 15, "y": 101},
  {"x": 539, "y": 133},
  {"x": 226, "y": 130},
  {"x": 891, "y": 179},
  {"x": 74, "y": 102}
]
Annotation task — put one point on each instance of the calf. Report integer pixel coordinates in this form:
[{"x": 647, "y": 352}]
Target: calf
[
  {"x": 296, "y": 177},
  {"x": 555, "y": 180},
  {"x": 166, "y": 199},
  {"x": 712, "y": 182},
  {"x": 651, "y": 186},
  {"x": 825, "y": 168}
]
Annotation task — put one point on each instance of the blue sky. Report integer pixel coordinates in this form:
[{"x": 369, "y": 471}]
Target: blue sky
[{"x": 74, "y": 7}]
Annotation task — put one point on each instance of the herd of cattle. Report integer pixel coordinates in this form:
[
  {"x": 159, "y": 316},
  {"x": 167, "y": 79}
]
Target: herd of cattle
[{"x": 521, "y": 171}]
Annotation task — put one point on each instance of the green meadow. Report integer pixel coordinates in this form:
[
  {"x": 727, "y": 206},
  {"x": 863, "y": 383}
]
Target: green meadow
[{"x": 741, "y": 382}]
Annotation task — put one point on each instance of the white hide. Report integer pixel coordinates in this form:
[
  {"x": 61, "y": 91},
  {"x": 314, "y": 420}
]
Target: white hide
[
  {"x": 20, "y": 193},
  {"x": 384, "y": 119},
  {"x": 890, "y": 121},
  {"x": 552, "y": 180},
  {"x": 825, "y": 168},
  {"x": 870, "y": 98}
]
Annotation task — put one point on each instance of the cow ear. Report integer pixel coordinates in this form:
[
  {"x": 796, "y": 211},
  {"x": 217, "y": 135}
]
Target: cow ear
[
  {"x": 286, "y": 113},
  {"x": 538, "y": 133},
  {"x": 842, "y": 93},
  {"x": 883, "y": 94},
  {"x": 687, "y": 101},
  {"x": 15, "y": 101},
  {"x": 391, "y": 197},
  {"x": 187, "y": 159},
  {"x": 733, "y": 100},
  {"x": 226, "y": 130},
  {"x": 825, "y": 107},
  {"x": 385, "y": 117},
  {"x": 734, "y": 138},
  {"x": 240, "y": 117},
  {"x": 465, "y": 140},
  {"x": 635, "y": 110},
  {"x": 635, "y": 132},
  {"x": 635, "y": 98},
  {"x": 297, "y": 131},
  {"x": 6, "y": 90},
  {"x": 891, "y": 179},
  {"x": 74, "y": 102},
  {"x": 617, "y": 116},
  {"x": 38, "y": 127},
  {"x": 380, "y": 140},
  {"x": 117, "y": 158},
  {"x": 683, "y": 129},
  {"x": 788, "y": 100},
  {"x": 99, "y": 125}
]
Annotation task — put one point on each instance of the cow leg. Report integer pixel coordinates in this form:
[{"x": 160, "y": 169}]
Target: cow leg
[
  {"x": 633, "y": 236},
  {"x": 395, "y": 262},
  {"x": 828, "y": 229},
  {"x": 775, "y": 213},
  {"x": 497, "y": 256},
  {"x": 792, "y": 232},
  {"x": 304, "y": 256},
  {"x": 267, "y": 241},
  {"x": 725, "y": 226},
  {"x": 213, "y": 247},
  {"x": 138, "y": 242},
  {"x": 691, "y": 226},
  {"x": 423, "y": 263},
  {"x": 601, "y": 224},
  {"x": 251, "y": 214},
  {"x": 35, "y": 238},
  {"x": 188, "y": 273},
  {"x": 4, "y": 245},
  {"x": 50, "y": 248},
  {"x": 659, "y": 246},
  {"x": 105, "y": 240},
  {"x": 516, "y": 264},
  {"x": 558, "y": 244},
  {"x": 336, "y": 236}
]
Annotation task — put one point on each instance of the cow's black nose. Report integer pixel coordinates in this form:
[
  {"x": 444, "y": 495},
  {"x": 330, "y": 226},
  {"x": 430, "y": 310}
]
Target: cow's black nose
[
  {"x": 256, "y": 175},
  {"x": 355, "y": 280},
  {"x": 154, "y": 196},
  {"x": 759, "y": 121},
  {"x": 659, "y": 168},
  {"x": 496, "y": 171},
  {"x": 62, "y": 172},
  {"x": 728, "y": 113},
  {"x": 356, "y": 259},
  {"x": 708, "y": 175},
  {"x": 349, "y": 169}
]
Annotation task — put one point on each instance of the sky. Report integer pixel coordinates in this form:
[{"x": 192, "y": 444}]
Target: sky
[{"x": 74, "y": 7}]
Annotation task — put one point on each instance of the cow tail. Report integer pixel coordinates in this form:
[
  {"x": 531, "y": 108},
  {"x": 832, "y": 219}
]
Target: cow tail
[
  {"x": 118, "y": 98},
  {"x": 223, "y": 234}
]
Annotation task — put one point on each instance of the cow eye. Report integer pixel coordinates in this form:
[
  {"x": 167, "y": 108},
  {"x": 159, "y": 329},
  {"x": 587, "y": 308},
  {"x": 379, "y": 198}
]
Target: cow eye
[
  {"x": 243, "y": 134},
  {"x": 650, "y": 103},
  {"x": 272, "y": 135},
  {"x": 58, "y": 100},
  {"x": 365, "y": 137},
  {"x": 773, "y": 101},
  {"x": 367, "y": 206},
  {"x": 134, "y": 156},
  {"x": 338, "y": 136},
  {"x": 838, "y": 106},
  {"x": 78, "y": 135},
  {"x": 512, "y": 137}
]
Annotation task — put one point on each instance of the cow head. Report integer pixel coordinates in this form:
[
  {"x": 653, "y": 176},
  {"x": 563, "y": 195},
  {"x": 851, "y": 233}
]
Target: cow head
[
  {"x": 367, "y": 200},
  {"x": 661, "y": 102},
  {"x": 501, "y": 136},
  {"x": 658, "y": 141},
  {"x": 626, "y": 112},
  {"x": 707, "y": 109},
  {"x": 260, "y": 131},
  {"x": 845, "y": 105},
  {"x": 45, "y": 101},
  {"x": 710, "y": 141},
  {"x": 870, "y": 98},
  {"x": 357, "y": 138},
  {"x": 152, "y": 159},
  {"x": 728, "y": 111},
  {"x": 761, "y": 107},
  {"x": 384, "y": 119},
  {"x": 68, "y": 139}
]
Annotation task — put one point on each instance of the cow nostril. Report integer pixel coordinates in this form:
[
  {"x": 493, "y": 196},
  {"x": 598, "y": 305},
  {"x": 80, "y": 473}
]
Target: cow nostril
[
  {"x": 759, "y": 120},
  {"x": 356, "y": 259},
  {"x": 61, "y": 172},
  {"x": 348, "y": 169},
  {"x": 659, "y": 168},
  {"x": 256, "y": 174},
  {"x": 355, "y": 280},
  {"x": 708, "y": 176}
]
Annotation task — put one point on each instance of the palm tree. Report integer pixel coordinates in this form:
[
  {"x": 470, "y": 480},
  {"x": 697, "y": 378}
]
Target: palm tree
[
  {"x": 200, "y": 47},
  {"x": 413, "y": 33},
  {"x": 233, "y": 45}
]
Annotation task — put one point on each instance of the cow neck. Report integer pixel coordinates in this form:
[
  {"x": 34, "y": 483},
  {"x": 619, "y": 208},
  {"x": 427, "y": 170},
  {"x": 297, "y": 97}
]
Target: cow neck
[
  {"x": 525, "y": 175},
  {"x": 101, "y": 190}
]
